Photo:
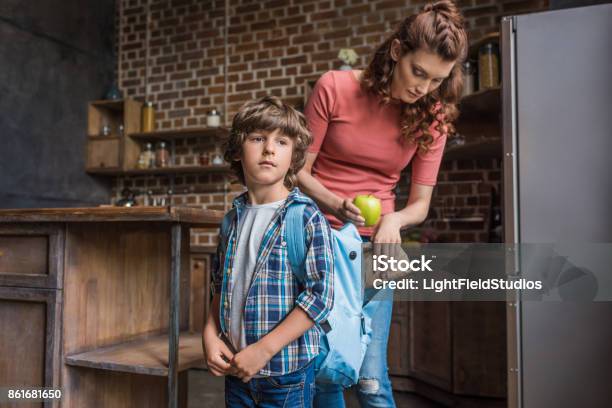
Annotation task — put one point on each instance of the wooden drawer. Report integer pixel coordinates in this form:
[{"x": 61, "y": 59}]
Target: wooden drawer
[
  {"x": 31, "y": 255},
  {"x": 30, "y": 339}
]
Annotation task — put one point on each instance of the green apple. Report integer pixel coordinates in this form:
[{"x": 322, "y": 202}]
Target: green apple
[{"x": 370, "y": 208}]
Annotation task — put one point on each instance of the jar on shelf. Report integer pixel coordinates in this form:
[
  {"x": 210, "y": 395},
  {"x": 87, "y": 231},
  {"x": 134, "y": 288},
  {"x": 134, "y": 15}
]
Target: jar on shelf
[
  {"x": 469, "y": 69},
  {"x": 148, "y": 117},
  {"x": 213, "y": 119},
  {"x": 105, "y": 128},
  {"x": 488, "y": 66},
  {"x": 162, "y": 156},
  {"x": 217, "y": 158},
  {"x": 203, "y": 159},
  {"x": 146, "y": 160}
]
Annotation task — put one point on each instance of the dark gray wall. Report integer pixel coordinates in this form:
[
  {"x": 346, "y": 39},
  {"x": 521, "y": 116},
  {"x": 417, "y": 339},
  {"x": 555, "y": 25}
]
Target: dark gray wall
[{"x": 55, "y": 56}]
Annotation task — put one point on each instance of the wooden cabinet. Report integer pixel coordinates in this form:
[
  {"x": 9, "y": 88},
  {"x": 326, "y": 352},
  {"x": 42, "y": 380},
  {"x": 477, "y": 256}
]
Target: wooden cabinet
[
  {"x": 200, "y": 291},
  {"x": 31, "y": 255},
  {"x": 430, "y": 343},
  {"x": 449, "y": 350},
  {"x": 103, "y": 153},
  {"x": 115, "y": 287},
  {"x": 399, "y": 340},
  {"x": 114, "y": 151},
  {"x": 30, "y": 339},
  {"x": 479, "y": 349},
  {"x": 30, "y": 306}
]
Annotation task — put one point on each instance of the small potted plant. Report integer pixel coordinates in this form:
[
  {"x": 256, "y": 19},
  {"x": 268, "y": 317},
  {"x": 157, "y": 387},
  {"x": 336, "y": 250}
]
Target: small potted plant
[{"x": 348, "y": 56}]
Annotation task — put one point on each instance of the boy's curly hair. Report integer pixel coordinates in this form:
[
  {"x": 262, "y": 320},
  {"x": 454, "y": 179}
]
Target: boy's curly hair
[{"x": 268, "y": 114}]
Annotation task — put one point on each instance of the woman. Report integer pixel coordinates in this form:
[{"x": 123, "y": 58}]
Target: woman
[{"x": 367, "y": 126}]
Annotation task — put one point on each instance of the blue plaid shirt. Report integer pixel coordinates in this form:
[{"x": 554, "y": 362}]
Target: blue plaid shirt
[{"x": 274, "y": 290}]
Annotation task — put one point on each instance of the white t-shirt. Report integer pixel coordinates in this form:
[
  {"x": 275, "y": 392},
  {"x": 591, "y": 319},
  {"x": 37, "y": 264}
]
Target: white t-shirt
[{"x": 254, "y": 220}]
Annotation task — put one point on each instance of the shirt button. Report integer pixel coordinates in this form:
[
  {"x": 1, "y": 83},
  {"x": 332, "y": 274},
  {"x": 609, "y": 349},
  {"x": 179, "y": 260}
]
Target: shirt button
[{"x": 284, "y": 243}]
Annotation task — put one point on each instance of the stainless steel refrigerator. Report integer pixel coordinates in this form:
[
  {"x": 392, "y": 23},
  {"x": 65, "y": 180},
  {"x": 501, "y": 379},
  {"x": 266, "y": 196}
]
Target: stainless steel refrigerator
[{"x": 557, "y": 129}]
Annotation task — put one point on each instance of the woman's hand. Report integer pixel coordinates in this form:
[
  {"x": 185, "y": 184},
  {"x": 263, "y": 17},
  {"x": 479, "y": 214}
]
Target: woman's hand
[
  {"x": 388, "y": 230},
  {"x": 249, "y": 361},
  {"x": 346, "y": 211}
]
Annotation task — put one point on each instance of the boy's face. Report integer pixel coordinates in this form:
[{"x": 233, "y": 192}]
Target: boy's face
[{"x": 266, "y": 157}]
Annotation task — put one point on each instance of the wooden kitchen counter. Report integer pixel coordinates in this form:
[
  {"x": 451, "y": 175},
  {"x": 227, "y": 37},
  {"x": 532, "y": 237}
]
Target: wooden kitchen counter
[
  {"x": 96, "y": 302},
  {"x": 202, "y": 218}
]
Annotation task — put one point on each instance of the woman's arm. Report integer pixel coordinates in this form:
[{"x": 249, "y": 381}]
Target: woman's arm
[
  {"x": 341, "y": 208},
  {"x": 414, "y": 213}
]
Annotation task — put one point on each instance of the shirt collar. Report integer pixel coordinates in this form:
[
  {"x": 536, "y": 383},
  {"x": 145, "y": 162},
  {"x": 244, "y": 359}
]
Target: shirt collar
[{"x": 295, "y": 196}]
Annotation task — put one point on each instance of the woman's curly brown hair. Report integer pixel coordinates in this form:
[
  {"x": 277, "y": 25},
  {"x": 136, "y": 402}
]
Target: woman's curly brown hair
[
  {"x": 268, "y": 114},
  {"x": 437, "y": 28}
]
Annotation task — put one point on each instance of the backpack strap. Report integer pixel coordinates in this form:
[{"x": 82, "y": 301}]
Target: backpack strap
[
  {"x": 296, "y": 245},
  {"x": 294, "y": 236}
]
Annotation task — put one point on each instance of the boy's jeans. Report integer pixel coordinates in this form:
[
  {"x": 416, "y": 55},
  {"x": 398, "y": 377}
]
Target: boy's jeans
[{"x": 293, "y": 390}]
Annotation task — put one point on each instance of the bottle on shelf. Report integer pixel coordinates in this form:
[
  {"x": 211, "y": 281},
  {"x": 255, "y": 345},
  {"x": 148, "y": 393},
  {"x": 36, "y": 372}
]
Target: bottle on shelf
[
  {"x": 213, "y": 119},
  {"x": 217, "y": 158},
  {"x": 162, "y": 156},
  {"x": 469, "y": 69},
  {"x": 148, "y": 117},
  {"x": 203, "y": 158},
  {"x": 105, "y": 128},
  {"x": 146, "y": 160},
  {"x": 488, "y": 66}
]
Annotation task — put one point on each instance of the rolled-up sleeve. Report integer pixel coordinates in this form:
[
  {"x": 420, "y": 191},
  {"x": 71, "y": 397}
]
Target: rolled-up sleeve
[{"x": 317, "y": 298}]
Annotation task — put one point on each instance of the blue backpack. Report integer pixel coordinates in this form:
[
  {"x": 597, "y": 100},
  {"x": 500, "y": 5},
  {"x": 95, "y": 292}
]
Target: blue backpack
[
  {"x": 347, "y": 332},
  {"x": 343, "y": 346}
]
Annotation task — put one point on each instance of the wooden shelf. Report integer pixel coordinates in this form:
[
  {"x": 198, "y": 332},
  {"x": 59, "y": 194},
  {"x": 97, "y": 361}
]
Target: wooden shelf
[
  {"x": 484, "y": 103},
  {"x": 166, "y": 135},
  {"x": 160, "y": 171},
  {"x": 149, "y": 357},
  {"x": 178, "y": 170},
  {"x": 464, "y": 219},
  {"x": 483, "y": 148},
  {"x": 98, "y": 137},
  {"x": 100, "y": 171},
  {"x": 116, "y": 105}
]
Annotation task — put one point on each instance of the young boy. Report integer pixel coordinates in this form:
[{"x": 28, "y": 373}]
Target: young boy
[{"x": 261, "y": 331}]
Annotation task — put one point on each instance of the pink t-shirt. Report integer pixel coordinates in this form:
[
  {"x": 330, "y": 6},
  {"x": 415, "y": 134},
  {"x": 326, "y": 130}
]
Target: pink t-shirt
[{"x": 359, "y": 145}]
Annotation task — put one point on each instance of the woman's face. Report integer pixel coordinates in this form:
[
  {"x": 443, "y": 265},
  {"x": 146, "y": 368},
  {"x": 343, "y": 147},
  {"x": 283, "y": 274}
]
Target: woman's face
[{"x": 417, "y": 73}]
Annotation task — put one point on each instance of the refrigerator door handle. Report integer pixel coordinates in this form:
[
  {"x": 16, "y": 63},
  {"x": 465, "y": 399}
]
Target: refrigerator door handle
[{"x": 511, "y": 202}]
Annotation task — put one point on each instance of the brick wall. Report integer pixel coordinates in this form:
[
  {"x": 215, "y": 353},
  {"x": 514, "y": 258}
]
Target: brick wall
[{"x": 273, "y": 47}]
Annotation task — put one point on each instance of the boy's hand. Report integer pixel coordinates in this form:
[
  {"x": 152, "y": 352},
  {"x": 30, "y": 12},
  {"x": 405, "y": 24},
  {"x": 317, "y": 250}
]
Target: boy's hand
[
  {"x": 249, "y": 361},
  {"x": 218, "y": 356}
]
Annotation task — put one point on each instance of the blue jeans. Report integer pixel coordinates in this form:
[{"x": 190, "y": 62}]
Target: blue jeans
[
  {"x": 374, "y": 387},
  {"x": 293, "y": 390}
]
